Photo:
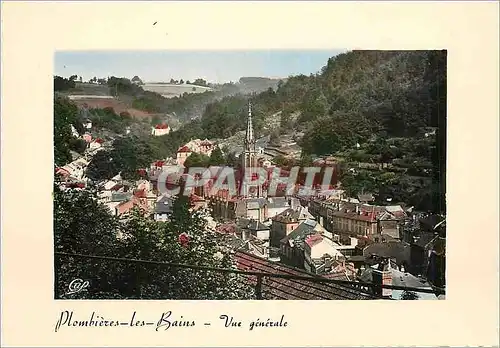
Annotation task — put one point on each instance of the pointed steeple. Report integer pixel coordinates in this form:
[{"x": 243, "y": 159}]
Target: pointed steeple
[{"x": 249, "y": 139}]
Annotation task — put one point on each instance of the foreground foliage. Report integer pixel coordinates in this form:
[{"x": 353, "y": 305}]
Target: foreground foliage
[{"x": 83, "y": 226}]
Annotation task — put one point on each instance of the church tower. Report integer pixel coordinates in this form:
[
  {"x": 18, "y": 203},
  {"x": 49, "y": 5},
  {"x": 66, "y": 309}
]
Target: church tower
[{"x": 249, "y": 157}]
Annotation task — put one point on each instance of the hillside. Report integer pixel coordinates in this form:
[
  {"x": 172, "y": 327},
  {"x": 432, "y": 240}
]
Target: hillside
[{"x": 363, "y": 106}]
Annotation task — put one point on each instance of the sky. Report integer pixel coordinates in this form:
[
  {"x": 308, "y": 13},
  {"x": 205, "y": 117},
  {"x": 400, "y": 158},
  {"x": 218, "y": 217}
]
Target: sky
[{"x": 213, "y": 66}]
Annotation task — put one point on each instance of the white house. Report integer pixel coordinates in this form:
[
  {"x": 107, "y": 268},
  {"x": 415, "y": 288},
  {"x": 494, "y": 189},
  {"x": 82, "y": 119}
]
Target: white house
[
  {"x": 182, "y": 154},
  {"x": 76, "y": 169},
  {"x": 160, "y": 129},
  {"x": 318, "y": 250},
  {"x": 87, "y": 124}
]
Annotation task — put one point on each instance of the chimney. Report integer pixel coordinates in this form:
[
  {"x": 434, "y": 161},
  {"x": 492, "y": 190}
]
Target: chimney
[{"x": 383, "y": 276}]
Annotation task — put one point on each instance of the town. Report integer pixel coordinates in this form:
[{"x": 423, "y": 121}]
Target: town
[{"x": 290, "y": 224}]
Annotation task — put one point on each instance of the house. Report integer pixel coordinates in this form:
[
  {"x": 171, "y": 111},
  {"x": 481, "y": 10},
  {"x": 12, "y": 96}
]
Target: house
[
  {"x": 253, "y": 208},
  {"x": 182, "y": 154},
  {"x": 75, "y": 170},
  {"x": 160, "y": 129},
  {"x": 146, "y": 196},
  {"x": 285, "y": 222},
  {"x": 319, "y": 252},
  {"x": 263, "y": 209},
  {"x": 277, "y": 205},
  {"x": 390, "y": 226},
  {"x": 87, "y": 124},
  {"x": 115, "y": 199},
  {"x": 163, "y": 208},
  {"x": 353, "y": 222},
  {"x": 351, "y": 218},
  {"x": 292, "y": 245},
  {"x": 255, "y": 228}
]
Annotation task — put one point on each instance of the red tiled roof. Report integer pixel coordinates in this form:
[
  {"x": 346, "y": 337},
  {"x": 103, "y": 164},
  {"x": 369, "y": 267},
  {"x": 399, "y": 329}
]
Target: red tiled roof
[
  {"x": 140, "y": 194},
  {"x": 99, "y": 141},
  {"x": 184, "y": 149},
  {"x": 369, "y": 217},
  {"x": 292, "y": 289},
  {"x": 159, "y": 163},
  {"x": 162, "y": 126}
]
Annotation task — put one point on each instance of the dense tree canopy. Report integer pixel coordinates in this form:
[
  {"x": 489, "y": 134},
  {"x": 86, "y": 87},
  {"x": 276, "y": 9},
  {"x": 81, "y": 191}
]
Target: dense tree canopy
[{"x": 65, "y": 115}]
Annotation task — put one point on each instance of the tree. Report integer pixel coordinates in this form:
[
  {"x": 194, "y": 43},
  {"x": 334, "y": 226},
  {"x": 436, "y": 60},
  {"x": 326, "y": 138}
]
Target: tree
[
  {"x": 65, "y": 115},
  {"x": 181, "y": 81},
  {"x": 102, "y": 166},
  {"x": 197, "y": 160},
  {"x": 83, "y": 226},
  {"x": 62, "y": 84},
  {"x": 216, "y": 157},
  {"x": 232, "y": 160},
  {"x": 136, "y": 79},
  {"x": 131, "y": 154},
  {"x": 200, "y": 82},
  {"x": 77, "y": 145}
]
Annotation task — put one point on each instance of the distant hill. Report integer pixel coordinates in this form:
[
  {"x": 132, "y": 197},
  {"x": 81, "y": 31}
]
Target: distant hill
[{"x": 168, "y": 90}]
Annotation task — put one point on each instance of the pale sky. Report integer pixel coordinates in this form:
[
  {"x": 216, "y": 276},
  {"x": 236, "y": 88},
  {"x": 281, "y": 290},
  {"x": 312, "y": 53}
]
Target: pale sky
[{"x": 213, "y": 66}]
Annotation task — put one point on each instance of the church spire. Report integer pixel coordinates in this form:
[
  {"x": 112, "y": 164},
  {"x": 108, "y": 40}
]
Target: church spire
[{"x": 249, "y": 139}]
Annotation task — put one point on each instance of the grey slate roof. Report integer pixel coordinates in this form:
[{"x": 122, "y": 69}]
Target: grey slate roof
[
  {"x": 252, "y": 225},
  {"x": 299, "y": 234},
  {"x": 398, "y": 250},
  {"x": 164, "y": 205}
]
